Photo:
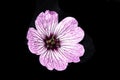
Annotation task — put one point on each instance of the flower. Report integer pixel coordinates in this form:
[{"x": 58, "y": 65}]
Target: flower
[{"x": 57, "y": 44}]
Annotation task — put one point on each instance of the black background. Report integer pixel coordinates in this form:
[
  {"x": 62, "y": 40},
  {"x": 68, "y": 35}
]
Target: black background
[{"x": 98, "y": 18}]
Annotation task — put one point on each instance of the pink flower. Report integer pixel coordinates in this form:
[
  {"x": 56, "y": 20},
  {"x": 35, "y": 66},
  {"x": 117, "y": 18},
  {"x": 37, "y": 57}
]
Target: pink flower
[{"x": 56, "y": 43}]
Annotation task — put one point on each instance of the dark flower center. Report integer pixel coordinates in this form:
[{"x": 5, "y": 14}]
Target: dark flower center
[{"x": 51, "y": 42}]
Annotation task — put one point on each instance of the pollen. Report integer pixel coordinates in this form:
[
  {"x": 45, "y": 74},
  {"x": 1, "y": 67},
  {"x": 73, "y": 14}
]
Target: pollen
[{"x": 51, "y": 42}]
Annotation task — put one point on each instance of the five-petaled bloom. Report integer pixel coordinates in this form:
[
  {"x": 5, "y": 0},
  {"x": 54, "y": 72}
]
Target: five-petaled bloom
[{"x": 57, "y": 44}]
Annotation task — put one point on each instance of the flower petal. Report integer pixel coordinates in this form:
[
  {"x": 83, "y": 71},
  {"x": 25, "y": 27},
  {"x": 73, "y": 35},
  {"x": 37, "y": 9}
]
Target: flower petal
[
  {"x": 50, "y": 64},
  {"x": 73, "y": 52},
  {"x": 44, "y": 58},
  {"x": 59, "y": 63},
  {"x": 53, "y": 61},
  {"x": 60, "y": 66},
  {"x": 33, "y": 34},
  {"x": 35, "y": 42},
  {"x": 65, "y": 25},
  {"x": 46, "y": 22},
  {"x": 75, "y": 35}
]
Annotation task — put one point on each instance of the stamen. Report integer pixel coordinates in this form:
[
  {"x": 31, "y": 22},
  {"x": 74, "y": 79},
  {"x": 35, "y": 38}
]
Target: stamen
[{"x": 51, "y": 42}]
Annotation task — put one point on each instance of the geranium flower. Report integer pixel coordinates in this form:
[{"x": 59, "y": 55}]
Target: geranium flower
[{"x": 57, "y": 44}]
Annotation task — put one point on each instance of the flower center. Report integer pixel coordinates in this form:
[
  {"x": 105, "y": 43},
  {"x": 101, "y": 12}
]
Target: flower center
[{"x": 51, "y": 42}]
